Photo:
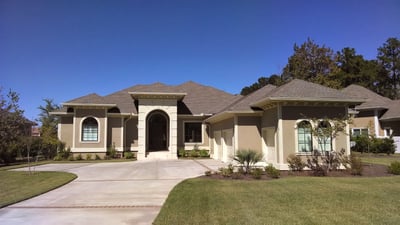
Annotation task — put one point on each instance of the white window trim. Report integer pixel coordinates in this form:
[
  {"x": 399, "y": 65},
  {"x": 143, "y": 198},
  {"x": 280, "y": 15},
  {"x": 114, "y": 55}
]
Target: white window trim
[
  {"x": 202, "y": 133},
  {"x": 359, "y": 128},
  {"x": 315, "y": 142},
  {"x": 385, "y": 131},
  {"x": 98, "y": 131}
]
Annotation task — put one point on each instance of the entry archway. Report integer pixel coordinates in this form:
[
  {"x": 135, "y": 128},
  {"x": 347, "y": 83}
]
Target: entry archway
[{"x": 157, "y": 137}]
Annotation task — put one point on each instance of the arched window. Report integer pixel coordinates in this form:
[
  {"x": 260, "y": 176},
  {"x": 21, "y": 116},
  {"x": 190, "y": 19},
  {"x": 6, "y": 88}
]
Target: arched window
[
  {"x": 324, "y": 136},
  {"x": 90, "y": 129},
  {"x": 304, "y": 136}
]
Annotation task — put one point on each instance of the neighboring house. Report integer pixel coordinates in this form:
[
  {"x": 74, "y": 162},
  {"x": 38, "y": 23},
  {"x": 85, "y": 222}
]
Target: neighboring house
[
  {"x": 35, "y": 131},
  {"x": 378, "y": 116},
  {"x": 160, "y": 119}
]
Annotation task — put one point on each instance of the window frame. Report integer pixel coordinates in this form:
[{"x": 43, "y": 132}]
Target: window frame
[
  {"x": 201, "y": 132},
  {"x": 360, "y": 131},
  {"x": 311, "y": 138},
  {"x": 321, "y": 146},
  {"x": 82, "y": 132}
]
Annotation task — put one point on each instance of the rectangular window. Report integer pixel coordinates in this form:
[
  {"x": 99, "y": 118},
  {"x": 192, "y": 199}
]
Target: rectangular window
[
  {"x": 388, "y": 131},
  {"x": 360, "y": 132},
  {"x": 193, "y": 132}
]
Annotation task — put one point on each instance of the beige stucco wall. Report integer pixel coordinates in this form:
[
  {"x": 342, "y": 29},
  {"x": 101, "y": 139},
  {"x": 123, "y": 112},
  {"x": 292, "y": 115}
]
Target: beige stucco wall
[
  {"x": 270, "y": 118},
  {"x": 131, "y": 133},
  {"x": 223, "y": 125},
  {"x": 181, "y": 134},
  {"x": 366, "y": 119},
  {"x": 114, "y": 132},
  {"x": 66, "y": 130},
  {"x": 292, "y": 114},
  {"x": 100, "y": 115},
  {"x": 249, "y": 133}
]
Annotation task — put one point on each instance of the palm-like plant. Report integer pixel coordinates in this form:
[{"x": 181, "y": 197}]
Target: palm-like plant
[{"x": 247, "y": 158}]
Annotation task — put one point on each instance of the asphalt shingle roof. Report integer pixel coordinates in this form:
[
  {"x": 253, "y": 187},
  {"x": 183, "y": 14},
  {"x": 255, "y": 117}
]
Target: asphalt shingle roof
[
  {"x": 372, "y": 99},
  {"x": 199, "y": 98}
]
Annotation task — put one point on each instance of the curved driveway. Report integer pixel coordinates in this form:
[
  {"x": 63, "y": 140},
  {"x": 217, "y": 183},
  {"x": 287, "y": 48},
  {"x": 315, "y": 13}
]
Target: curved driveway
[{"x": 107, "y": 193}]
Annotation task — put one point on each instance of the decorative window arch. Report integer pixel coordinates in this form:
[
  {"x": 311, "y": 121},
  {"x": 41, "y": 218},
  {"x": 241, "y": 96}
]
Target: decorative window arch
[
  {"x": 90, "y": 130},
  {"x": 324, "y": 136},
  {"x": 304, "y": 137}
]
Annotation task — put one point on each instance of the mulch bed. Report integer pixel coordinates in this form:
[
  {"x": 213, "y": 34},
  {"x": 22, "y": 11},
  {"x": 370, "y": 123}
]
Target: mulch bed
[{"x": 369, "y": 170}]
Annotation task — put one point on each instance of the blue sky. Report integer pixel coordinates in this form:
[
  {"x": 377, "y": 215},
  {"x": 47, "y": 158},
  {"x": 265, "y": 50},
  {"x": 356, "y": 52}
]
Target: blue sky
[{"x": 63, "y": 49}]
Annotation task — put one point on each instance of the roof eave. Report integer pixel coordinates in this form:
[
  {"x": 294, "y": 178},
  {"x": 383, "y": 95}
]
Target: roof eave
[
  {"x": 89, "y": 104},
  {"x": 152, "y": 95},
  {"x": 229, "y": 114},
  {"x": 300, "y": 99}
]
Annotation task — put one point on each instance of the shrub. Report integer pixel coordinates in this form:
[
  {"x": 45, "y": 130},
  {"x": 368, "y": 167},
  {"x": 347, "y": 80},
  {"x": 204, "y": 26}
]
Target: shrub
[
  {"x": 247, "y": 158},
  {"x": 57, "y": 158},
  {"x": 97, "y": 157},
  {"x": 314, "y": 164},
  {"x": 257, "y": 173},
  {"x": 272, "y": 172},
  {"x": 182, "y": 152},
  {"x": 111, "y": 151},
  {"x": 295, "y": 163},
  {"x": 88, "y": 156},
  {"x": 204, "y": 153},
  {"x": 226, "y": 172},
  {"x": 374, "y": 145},
  {"x": 356, "y": 167},
  {"x": 208, "y": 173},
  {"x": 79, "y": 157},
  {"x": 194, "y": 153},
  {"x": 236, "y": 175},
  {"x": 394, "y": 168},
  {"x": 128, "y": 155},
  {"x": 71, "y": 158}
]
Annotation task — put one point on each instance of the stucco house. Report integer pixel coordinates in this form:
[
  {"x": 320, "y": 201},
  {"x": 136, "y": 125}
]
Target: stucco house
[
  {"x": 156, "y": 120},
  {"x": 378, "y": 116}
]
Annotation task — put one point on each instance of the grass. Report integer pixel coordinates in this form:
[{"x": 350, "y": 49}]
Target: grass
[
  {"x": 298, "y": 200},
  {"x": 16, "y": 186},
  {"x": 382, "y": 159}
]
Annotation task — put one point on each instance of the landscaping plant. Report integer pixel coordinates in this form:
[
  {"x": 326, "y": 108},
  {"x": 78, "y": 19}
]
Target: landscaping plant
[
  {"x": 247, "y": 159},
  {"x": 394, "y": 168}
]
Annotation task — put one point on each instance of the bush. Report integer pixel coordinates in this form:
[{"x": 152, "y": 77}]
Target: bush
[
  {"x": 204, "y": 153},
  {"x": 394, "y": 168},
  {"x": 356, "y": 167},
  {"x": 194, "y": 153},
  {"x": 247, "y": 158},
  {"x": 79, "y": 157},
  {"x": 97, "y": 157},
  {"x": 88, "y": 156},
  {"x": 226, "y": 172},
  {"x": 272, "y": 172},
  {"x": 208, "y": 173},
  {"x": 71, "y": 158},
  {"x": 181, "y": 152},
  {"x": 374, "y": 145},
  {"x": 295, "y": 163},
  {"x": 128, "y": 155},
  {"x": 111, "y": 152},
  {"x": 257, "y": 173}
]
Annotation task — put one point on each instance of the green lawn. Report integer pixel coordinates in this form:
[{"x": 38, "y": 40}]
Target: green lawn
[
  {"x": 294, "y": 200},
  {"x": 17, "y": 186},
  {"x": 381, "y": 159}
]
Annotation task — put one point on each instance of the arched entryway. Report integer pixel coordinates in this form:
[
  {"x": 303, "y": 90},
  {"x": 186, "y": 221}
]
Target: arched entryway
[{"x": 157, "y": 131}]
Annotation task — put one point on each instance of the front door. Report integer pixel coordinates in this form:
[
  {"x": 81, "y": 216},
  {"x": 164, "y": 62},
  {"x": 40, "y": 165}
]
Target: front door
[{"x": 157, "y": 131}]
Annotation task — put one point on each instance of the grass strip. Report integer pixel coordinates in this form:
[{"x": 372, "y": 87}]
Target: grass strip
[
  {"x": 299, "y": 200},
  {"x": 16, "y": 186}
]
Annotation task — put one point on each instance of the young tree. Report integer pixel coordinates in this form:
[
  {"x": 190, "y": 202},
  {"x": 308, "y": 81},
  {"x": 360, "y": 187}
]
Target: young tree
[
  {"x": 48, "y": 128},
  {"x": 13, "y": 126},
  {"x": 389, "y": 57}
]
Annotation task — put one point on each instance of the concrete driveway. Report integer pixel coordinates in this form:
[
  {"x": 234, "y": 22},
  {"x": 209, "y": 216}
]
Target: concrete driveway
[{"x": 107, "y": 193}]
